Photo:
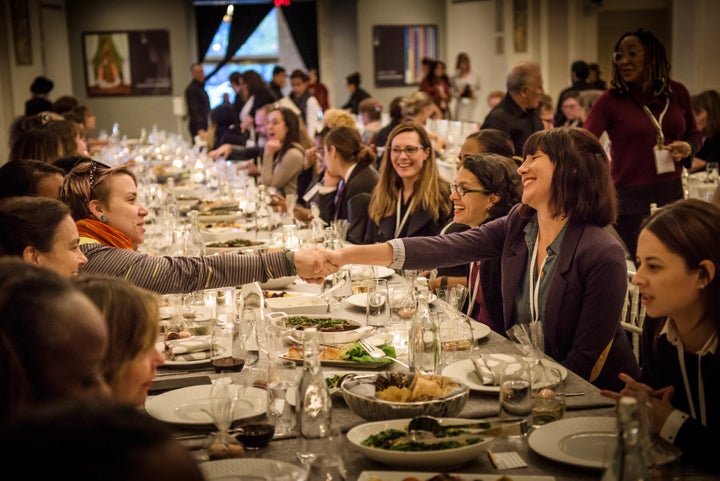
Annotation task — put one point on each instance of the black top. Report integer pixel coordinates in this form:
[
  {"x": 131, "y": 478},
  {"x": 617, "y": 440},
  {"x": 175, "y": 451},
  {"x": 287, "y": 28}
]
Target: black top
[
  {"x": 198, "y": 106},
  {"x": 354, "y": 101},
  {"x": 36, "y": 105},
  {"x": 512, "y": 119},
  {"x": 710, "y": 150}
]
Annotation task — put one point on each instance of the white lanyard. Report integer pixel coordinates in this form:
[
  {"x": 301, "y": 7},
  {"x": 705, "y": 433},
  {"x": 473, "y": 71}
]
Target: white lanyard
[
  {"x": 535, "y": 285},
  {"x": 471, "y": 304},
  {"x": 398, "y": 223},
  {"x": 701, "y": 384},
  {"x": 657, "y": 123}
]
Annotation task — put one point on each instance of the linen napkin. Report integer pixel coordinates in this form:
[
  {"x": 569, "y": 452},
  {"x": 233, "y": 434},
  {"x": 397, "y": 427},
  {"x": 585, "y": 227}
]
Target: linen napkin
[
  {"x": 194, "y": 348},
  {"x": 490, "y": 366}
]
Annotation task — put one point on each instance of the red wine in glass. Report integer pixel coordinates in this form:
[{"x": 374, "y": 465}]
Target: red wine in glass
[{"x": 228, "y": 363}]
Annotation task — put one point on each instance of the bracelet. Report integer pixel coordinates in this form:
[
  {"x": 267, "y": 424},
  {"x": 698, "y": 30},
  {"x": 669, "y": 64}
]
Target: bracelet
[
  {"x": 290, "y": 258},
  {"x": 443, "y": 282}
]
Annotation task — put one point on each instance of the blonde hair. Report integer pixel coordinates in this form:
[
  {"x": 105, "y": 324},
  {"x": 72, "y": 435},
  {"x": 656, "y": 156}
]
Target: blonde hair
[
  {"x": 412, "y": 105},
  {"x": 338, "y": 118},
  {"x": 430, "y": 191}
]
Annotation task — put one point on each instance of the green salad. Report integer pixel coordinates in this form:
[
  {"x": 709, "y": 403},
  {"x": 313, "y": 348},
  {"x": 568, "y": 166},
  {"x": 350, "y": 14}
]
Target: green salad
[
  {"x": 356, "y": 353},
  {"x": 397, "y": 440}
]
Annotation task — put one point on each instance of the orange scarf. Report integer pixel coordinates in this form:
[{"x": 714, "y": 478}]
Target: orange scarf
[{"x": 104, "y": 234}]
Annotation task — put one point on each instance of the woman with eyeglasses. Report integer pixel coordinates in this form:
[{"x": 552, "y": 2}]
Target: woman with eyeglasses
[
  {"x": 411, "y": 198},
  {"x": 649, "y": 120},
  {"x": 486, "y": 187},
  {"x": 558, "y": 265},
  {"x": 111, "y": 222}
]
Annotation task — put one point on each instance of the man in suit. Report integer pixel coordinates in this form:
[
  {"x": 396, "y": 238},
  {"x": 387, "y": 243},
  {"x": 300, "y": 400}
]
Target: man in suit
[{"x": 198, "y": 102}]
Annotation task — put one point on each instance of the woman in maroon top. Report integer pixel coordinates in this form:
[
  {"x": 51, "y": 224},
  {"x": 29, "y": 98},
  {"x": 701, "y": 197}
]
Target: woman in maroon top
[{"x": 650, "y": 122}]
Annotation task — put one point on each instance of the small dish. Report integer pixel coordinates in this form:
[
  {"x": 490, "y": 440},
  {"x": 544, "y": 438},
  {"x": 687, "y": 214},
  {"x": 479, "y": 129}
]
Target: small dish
[{"x": 297, "y": 305}]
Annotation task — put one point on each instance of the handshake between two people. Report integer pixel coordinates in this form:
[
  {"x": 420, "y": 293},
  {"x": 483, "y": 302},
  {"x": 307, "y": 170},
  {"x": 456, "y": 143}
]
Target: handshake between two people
[{"x": 315, "y": 263}]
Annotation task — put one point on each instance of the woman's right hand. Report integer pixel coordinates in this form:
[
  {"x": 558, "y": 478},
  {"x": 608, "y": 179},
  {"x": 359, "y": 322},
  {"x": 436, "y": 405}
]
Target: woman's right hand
[
  {"x": 310, "y": 158},
  {"x": 272, "y": 146},
  {"x": 222, "y": 151}
]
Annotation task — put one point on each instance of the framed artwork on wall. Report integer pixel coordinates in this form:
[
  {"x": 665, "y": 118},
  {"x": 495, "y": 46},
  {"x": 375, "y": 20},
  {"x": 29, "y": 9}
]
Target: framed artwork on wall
[
  {"x": 520, "y": 25},
  {"x": 398, "y": 53},
  {"x": 134, "y": 62},
  {"x": 22, "y": 41}
]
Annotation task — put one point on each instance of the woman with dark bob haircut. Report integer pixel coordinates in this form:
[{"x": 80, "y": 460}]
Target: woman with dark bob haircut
[
  {"x": 40, "y": 231},
  {"x": 559, "y": 266}
]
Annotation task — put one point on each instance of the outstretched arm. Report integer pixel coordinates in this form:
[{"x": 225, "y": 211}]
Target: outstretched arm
[{"x": 373, "y": 254}]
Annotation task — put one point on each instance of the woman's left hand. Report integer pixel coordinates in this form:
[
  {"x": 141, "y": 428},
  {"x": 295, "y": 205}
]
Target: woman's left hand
[
  {"x": 659, "y": 399},
  {"x": 679, "y": 149}
]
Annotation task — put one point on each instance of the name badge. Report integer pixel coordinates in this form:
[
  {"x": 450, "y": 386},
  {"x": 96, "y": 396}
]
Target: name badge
[{"x": 664, "y": 162}]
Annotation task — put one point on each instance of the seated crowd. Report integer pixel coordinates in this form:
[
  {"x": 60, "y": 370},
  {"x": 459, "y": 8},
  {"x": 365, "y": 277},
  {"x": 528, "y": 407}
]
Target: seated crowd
[{"x": 523, "y": 224}]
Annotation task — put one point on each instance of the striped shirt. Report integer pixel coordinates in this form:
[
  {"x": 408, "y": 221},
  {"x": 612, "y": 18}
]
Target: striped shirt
[{"x": 178, "y": 275}]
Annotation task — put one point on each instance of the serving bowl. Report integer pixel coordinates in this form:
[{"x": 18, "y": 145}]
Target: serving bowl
[
  {"x": 359, "y": 395},
  {"x": 297, "y": 305},
  {"x": 354, "y": 329},
  {"x": 431, "y": 458}
]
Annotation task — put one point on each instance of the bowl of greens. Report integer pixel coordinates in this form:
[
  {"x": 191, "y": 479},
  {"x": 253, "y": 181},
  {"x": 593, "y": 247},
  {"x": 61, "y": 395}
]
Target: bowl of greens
[{"x": 389, "y": 442}]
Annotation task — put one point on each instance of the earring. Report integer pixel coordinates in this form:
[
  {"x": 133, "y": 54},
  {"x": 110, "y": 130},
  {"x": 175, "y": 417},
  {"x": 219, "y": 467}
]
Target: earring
[{"x": 103, "y": 218}]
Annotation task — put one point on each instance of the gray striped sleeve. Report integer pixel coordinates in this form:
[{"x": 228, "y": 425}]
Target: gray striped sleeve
[{"x": 175, "y": 275}]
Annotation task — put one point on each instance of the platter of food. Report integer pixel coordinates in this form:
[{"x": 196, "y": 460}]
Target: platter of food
[
  {"x": 331, "y": 329},
  {"x": 234, "y": 245},
  {"x": 388, "y": 442},
  {"x": 348, "y": 356}
]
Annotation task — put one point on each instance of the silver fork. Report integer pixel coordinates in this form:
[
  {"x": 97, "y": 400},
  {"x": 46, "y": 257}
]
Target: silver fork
[{"x": 376, "y": 352}]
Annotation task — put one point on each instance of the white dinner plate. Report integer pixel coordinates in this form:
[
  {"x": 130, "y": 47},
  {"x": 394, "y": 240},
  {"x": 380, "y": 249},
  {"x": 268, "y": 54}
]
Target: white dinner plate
[
  {"x": 424, "y": 476},
  {"x": 465, "y": 371},
  {"x": 220, "y": 217},
  {"x": 360, "y": 300},
  {"x": 479, "y": 330},
  {"x": 278, "y": 282},
  {"x": 588, "y": 442},
  {"x": 189, "y": 314},
  {"x": 380, "y": 271},
  {"x": 160, "y": 346},
  {"x": 188, "y": 405},
  {"x": 436, "y": 459},
  {"x": 227, "y": 250},
  {"x": 251, "y": 470}
]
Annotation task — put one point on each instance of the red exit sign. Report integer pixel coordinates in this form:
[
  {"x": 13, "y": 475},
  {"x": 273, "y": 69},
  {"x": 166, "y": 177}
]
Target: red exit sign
[{"x": 282, "y": 3}]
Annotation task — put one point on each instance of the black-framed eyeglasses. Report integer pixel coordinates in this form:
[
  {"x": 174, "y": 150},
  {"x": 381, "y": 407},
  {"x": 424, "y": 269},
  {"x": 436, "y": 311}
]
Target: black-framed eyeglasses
[
  {"x": 461, "y": 191},
  {"x": 409, "y": 150},
  {"x": 631, "y": 55}
]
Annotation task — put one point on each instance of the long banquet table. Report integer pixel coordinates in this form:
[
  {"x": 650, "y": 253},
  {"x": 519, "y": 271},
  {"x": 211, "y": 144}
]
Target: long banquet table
[{"x": 479, "y": 405}]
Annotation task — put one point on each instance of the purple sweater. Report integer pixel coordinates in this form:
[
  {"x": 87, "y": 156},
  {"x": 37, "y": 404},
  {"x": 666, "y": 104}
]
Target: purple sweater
[{"x": 632, "y": 134}]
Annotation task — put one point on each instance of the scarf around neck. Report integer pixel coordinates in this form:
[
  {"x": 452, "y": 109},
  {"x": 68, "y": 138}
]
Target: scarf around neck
[{"x": 104, "y": 234}]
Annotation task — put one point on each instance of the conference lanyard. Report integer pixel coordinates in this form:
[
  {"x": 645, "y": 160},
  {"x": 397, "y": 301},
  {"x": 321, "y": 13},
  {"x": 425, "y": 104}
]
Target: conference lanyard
[
  {"x": 399, "y": 224},
  {"x": 657, "y": 123},
  {"x": 535, "y": 284}
]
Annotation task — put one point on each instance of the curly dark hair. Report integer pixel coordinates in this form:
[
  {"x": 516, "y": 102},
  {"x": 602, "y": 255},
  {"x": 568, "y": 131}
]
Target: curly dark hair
[{"x": 656, "y": 74}]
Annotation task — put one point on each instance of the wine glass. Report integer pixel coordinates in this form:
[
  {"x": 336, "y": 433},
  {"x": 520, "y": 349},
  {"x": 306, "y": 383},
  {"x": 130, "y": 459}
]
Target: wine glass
[
  {"x": 223, "y": 396},
  {"x": 515, "y": 390}
]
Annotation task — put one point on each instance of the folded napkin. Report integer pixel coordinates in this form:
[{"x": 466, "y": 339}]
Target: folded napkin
[
  {"x": 189, "y": 349},
  {"x": 490, "y": 366}
]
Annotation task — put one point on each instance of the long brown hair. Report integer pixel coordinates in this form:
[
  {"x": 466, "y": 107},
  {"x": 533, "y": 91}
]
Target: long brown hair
[{"x": 430, "y": 191}]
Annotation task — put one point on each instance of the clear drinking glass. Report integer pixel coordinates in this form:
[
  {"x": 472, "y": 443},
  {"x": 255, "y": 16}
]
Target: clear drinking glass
[
  {"x": 712, "y": 172},
  {"x": 548, "y": 390},
  {"x": 377, "y": 311},
  {"x": 282, "y": 395},
  {"x": 516, "y": 399}
]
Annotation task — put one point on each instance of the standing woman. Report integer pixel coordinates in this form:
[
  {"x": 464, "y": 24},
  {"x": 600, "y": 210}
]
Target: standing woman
[
  {"x": 465, "y": 86},
  {"x": 284, "y": 151},
  {"x": 437, "y": 85},
  {"x": 350, "y": 177},
  {"x": 677, "y": 274},
  {"x": 133, "y": 319},
  {"x": 559, "y": 267},
  {"x": 411, "y": 197},
  {"x": 650, "y": 122}
]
